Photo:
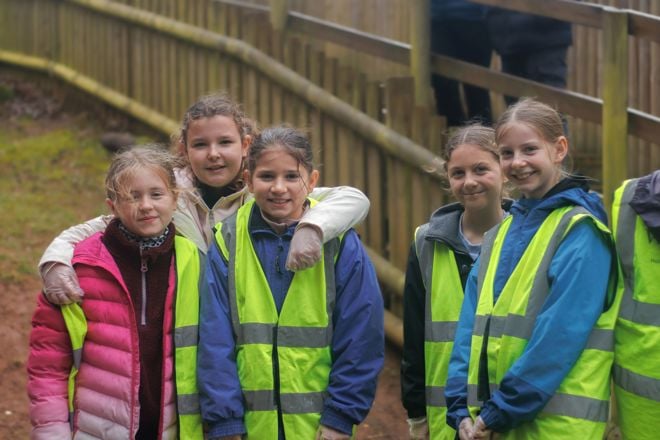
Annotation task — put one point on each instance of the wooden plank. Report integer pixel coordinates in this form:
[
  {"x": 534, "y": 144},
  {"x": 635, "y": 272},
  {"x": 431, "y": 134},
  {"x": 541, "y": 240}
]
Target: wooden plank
[
  {"x": 330, "y": 77},
  {"x": 615, "y": 103},
  {"x": 375, "y": 179}
]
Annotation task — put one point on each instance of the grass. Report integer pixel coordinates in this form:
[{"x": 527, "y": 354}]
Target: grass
[{"x": 50, "y": 179}]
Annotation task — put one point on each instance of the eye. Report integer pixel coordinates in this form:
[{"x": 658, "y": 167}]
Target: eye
[
  {"x": 226, "y": 141},
  {"x": 198, "y": 144},
  {"x": 456, "y": 174},
  {"x": 265, "y": 176},
  {"x": 157, "y": 195},
  {"x": 506, "y": 153},
  {"x": 292, "y": 176}
]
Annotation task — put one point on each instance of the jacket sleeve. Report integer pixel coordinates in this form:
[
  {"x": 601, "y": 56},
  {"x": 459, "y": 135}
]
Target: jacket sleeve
[
  {"x": 60, "y": 250},
  {"x": 578, "y": 277},
  {"x": 48, "y": 367},
  {"x": 358, "y": 344},
  {"x": 338, "y": 210},
  {"x": 457, "y": 376},
  {"x": 220, "y": 395},
  {"x": 413, "y": 381}
]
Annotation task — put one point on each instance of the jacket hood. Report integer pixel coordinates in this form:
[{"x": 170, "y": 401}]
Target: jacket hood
[
  {"x": 572, "y": 190},
  {"x": 646, "y": 202}
]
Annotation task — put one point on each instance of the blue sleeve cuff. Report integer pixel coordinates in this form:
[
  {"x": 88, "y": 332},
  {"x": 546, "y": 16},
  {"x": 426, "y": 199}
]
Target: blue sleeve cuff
[
  {"x": 336, "y": 420},
  {"x": 226, "y": 428},
  {"x": 493, "y": 417}
]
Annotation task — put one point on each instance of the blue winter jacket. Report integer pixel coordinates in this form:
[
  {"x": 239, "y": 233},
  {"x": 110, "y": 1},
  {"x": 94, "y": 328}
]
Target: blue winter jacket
[
  {"x": 357, "y": 341},
  {"x": 578, "y": 275}
]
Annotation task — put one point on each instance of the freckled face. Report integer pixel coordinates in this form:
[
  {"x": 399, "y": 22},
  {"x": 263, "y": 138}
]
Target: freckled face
[
  {"x": 215, "y": 150},
  {"x": 149, "y": 208},
  {"x": 475, "y": 177},
  {"x": 280, "y": 185},
  {"x": 529, "y": 161}
]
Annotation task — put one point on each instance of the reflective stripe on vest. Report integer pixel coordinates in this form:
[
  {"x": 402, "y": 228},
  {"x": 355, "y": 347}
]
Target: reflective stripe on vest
[
  {"x": 301, "y": 341},
  {"x": 189, "y": 263},
  {"x": 444, "y": 296},
  {"x": 583, "y": 395},
  {"x": 637, "y": 333},
  {"x": 185, "y": 339}
]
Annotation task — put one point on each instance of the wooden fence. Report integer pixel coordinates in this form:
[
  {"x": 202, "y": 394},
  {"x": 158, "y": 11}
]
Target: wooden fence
[{"x": 152, "y": 58}]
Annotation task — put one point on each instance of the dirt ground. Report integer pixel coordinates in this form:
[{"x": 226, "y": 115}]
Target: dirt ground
[{"x": 385, "y": 421}]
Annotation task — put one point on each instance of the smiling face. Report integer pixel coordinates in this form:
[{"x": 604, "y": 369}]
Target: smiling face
[
  {"x": 280, "y": 185},
  {"x": 215, "y": 150},
  {"x": 475, "y": 177},
  {"x": 148, "y": 204},
  {"x": 529, "y": 161}
]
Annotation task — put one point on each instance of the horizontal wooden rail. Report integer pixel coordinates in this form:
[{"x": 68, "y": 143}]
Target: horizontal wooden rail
[
  {"x": 121, "y": 102},
  {"x": 389, "y": 140},
  {"x": 641, "y": 124}
]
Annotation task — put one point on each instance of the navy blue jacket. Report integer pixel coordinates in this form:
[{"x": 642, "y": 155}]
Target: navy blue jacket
[
  {"x": 357, "y": 341},
  {"x": 516, "y": 32}
]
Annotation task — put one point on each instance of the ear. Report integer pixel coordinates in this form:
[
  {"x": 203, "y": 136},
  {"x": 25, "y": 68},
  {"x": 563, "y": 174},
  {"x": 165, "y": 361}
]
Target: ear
[
  {"x": 247, "y": 141},
  {"x": 111, "y": 205},
  {"x": 181, "y": 147},
  {"x": 247, "y": 178},
  {"x": 313, "y": 180},
  {"x": 561, "y": 149}
]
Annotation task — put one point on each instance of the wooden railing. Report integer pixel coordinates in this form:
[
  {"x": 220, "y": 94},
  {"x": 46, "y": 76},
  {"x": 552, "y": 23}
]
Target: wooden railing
[{"x": 153, "y": 58}]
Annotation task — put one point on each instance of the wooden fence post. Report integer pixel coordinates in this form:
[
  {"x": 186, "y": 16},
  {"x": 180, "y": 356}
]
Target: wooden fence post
[
  {"x": 420, "y": 40},
  {"x": 615, "y": 101},
  {"x": 279, "y": 10}
]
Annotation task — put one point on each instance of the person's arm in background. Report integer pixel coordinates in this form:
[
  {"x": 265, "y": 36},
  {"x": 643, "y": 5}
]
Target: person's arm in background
[
  {"x": 220, "y": 396},
  {"x": 358, "y": 339},
  {"x": 60, "y": 282},
  {"x": 578, "y": 277},
  {"x": 48, "y": 367},
  {"x": 339, "y": 209},
  {"x": 457, "y": 376}
]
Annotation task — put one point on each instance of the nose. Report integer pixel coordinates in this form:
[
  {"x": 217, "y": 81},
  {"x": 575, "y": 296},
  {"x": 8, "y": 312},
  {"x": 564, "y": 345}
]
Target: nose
[
  {"x": 214, "y": 151},
  {"x": 518, "y": 160},
  {"x": 278, "y": 185},
  {"x": 469, "y": 180},
  {"x": 145, "y": 203}
]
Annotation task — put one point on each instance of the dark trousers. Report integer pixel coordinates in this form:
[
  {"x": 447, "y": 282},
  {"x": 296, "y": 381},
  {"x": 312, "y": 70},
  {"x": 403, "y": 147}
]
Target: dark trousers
[{"x": 466, "y": 41}]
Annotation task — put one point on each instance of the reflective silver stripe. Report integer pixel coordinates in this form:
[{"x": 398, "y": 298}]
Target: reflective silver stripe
[
  {"x": 310, "y": 337},
  {"x": 637, "y": 384},
  {"x": 261, "y": 400},
  {"x": 601, "y": 339},
  {"x": 187, "y": 404},
  {"x": 578, "y": 407},
  {"x": 639, "y": 312},
  {"x": 186, "y": 336},
  {"x": 484, "y": 256},
  {"x": 440, "y": 331},
  {"x": 301, "y": 403},
  {"x": 255, "y": 333},
  {"x": 510, "y": 325},
  {"x": 472, "y": 394},
  {"x": 435, "y": 396},
  {"x": 77, "y": 356}
]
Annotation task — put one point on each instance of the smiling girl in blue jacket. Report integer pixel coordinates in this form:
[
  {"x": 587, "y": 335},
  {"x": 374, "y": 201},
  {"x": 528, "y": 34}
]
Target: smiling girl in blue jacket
[
  {"x": 284, "y": 354},
  {"x": 533, "y": 348}
]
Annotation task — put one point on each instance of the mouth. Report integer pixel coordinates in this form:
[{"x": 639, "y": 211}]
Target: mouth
[
  {"x": 522, "y": 176},
  {"x": 278, "y": 201},
  {"x": 147, "y": 219},
  {"x": 473, "y": 194},
  {"x": 215, "y": 168}
]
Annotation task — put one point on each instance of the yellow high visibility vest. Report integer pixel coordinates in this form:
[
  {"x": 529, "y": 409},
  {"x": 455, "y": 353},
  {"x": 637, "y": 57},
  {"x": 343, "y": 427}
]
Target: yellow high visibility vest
[
  {"x": 300, "y": 341},
  {"x": 444, "y": 296},
  {"x": 580, "y": 406},
  {"x": 186, "y": 318},
  {"x": 637, "y": 332}
]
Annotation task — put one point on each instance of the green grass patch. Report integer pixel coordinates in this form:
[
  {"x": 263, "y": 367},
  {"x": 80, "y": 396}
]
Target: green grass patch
[{"x": 48, "y": 182}]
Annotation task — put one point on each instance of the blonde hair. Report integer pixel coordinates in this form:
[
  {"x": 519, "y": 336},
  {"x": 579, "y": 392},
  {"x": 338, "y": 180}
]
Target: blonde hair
[
  {"x": 541, "y": 117},
  {"x": 128, "y": 163}
]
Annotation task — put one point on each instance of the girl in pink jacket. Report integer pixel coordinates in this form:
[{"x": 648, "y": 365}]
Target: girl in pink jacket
[{"x": 126, "y": 385}]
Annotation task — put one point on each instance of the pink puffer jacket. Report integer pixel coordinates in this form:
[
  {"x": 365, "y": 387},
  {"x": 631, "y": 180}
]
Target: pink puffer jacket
[{"x": 106, "y": 401}]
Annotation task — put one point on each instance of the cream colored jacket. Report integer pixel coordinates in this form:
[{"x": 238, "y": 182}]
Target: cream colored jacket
[{"x": 340, "y": 208}]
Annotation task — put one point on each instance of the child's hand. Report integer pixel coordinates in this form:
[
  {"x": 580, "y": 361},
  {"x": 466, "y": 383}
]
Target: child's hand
[
  {"x": 305, "y": 248},
  {"x": 418, "y": 428},
  {"x": 61, "y": 284},
  {"x": 481, "y": 431},
  {"x": 465, "y": 429},
  {"x": 325, "y": 433}
]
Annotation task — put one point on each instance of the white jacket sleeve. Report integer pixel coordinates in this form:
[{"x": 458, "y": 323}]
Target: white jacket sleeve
[
  {"x": 339, "y": 209},
  {"x": 60, "y": 250}
]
